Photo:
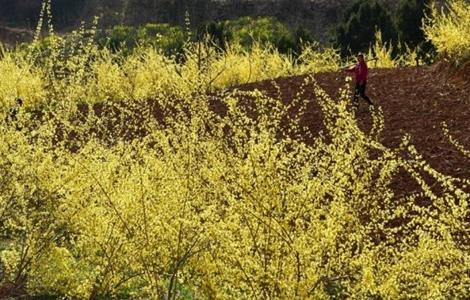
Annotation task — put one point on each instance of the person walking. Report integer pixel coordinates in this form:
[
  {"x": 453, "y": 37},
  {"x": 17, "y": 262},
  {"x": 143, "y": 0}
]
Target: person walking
[{"x": 361, "y": 73}]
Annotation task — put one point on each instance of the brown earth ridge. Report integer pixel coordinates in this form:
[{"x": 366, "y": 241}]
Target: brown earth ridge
[{"x": 415, "y": 101}]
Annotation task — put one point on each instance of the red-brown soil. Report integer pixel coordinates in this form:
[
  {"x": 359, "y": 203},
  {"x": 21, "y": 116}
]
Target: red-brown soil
[{"x": 415, "y": 101}]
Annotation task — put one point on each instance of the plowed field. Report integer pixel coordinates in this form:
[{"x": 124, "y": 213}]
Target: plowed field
[{"x": 415, "y": 101}]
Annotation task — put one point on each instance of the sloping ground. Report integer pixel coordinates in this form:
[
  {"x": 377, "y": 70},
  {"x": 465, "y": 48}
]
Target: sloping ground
[{"x": 415, "y": 101}]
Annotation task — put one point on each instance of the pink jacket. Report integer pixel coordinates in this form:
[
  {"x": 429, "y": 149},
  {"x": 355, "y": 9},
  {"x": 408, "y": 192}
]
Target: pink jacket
[{"x": 361, "y": 72}]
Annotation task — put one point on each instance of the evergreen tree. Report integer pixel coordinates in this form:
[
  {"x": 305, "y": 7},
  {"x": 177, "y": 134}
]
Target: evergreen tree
[
  {"x": 293, "y": 43},
  {"x": 409, "y": 21},
  {"x": 360, "y": 22},
  {"x": 219, "y": 33},
  {"x": 409, "y": 24}
]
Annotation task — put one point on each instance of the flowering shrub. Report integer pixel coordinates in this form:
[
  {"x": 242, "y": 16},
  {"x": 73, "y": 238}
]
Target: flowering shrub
[
  {"x": 237, "y": 205},
  {"x": 449, "y": 30},
  {"x": 240, "y": 204}
]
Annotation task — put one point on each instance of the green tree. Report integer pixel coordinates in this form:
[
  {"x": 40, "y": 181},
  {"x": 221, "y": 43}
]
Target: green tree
[
  {"x": 219, "y": 33},
  {"x": 294, "y": 42},
  {"x": 122, "y": 37},
  {"x": 247, "y": 30},
  {"x": 409, "y": 21},
  {"x": 360, "y": 22},
  {"x": 169, "y": 39},
  {"x": 410, "y": 16}
]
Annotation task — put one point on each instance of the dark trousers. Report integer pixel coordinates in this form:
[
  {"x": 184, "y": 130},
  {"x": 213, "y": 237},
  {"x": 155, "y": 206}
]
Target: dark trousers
[{"x": 360, "y": 90}]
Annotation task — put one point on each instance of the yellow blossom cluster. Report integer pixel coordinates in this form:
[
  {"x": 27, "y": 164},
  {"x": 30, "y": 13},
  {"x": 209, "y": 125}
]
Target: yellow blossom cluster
[
  {"x": 232, "y": 205},
  {"x": 119, "y": 180},
  {"x": 449, "y": 28}
]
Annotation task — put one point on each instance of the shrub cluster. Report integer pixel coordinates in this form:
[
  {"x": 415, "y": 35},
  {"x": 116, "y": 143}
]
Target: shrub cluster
[
  {"x": 239, "y": 204},
  {"x": 449, "y": 29},
  {"x": 151, "y": 194},
  {"x": 245, "y": 31}
]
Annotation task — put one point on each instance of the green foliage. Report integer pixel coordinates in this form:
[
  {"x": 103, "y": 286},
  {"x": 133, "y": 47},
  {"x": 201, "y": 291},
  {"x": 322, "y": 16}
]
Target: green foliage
[
  {"x": 295, "y": 43},
  {"x": 122, "y": 36},
  {"x": 410, "y": 17},
  {"x": 265, "y": 31},
  {"x": 169, "y": 39},
  {"x": 219, "y": 33},
  {"x": 245, "y": 31},
  {"x": 360, "y": 22}
]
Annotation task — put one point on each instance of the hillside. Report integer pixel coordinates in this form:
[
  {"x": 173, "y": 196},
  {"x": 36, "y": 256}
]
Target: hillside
[
  {"x": 233, "y": 171},
  {"x": 415, "y": 101}
]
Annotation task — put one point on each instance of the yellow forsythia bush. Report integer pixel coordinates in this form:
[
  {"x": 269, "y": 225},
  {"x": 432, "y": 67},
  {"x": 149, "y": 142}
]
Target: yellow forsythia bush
[
  {"x": 244, "y": 204},
  {"x": 227, "y": 207},
  {"x": 449, "y": 29},
  {"x": 18, "y": 78}
]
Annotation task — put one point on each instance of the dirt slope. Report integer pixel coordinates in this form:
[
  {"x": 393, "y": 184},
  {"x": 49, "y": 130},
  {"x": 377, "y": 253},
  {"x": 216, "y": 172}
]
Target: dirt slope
[{"x": 414, "y": 101}]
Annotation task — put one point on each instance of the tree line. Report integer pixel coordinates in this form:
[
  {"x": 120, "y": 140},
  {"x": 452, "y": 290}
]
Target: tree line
[
  {"x": 364, "y": 17},
  {"x": 354, "y": 32}
]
